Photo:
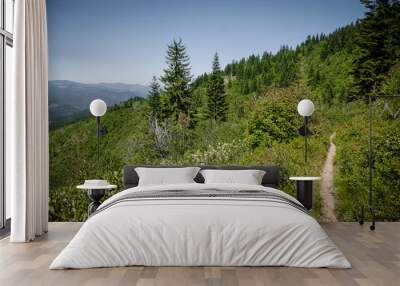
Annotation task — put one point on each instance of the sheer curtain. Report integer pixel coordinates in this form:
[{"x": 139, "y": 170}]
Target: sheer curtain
[{"x": 27, "y": 123}]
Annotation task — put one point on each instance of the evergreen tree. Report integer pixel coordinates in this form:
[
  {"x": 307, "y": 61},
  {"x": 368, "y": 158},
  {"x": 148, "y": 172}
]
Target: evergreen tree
[
  {"x": 154, "y": 98},
  {"x": 176, "y": 80},
  {"x": 377, "y": 44},
  {"x": 285, "y": 67},
  {"x": 253, "y": 85},
  {"x": 217, "y": 106},
  {"x": 245, "y": 87}
]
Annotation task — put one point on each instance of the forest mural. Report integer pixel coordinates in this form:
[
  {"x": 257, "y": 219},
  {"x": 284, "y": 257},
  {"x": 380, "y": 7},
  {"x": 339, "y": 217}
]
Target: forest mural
[{"x": 244, "y": 113}]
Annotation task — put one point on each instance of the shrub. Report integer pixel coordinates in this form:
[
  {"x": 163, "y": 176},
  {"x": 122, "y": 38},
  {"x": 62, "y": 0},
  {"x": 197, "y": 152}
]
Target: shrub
[
  {"x": 352, "y": 165},
  {"x": 220, "y": 153},
  {"x": 274, "y": 120}
]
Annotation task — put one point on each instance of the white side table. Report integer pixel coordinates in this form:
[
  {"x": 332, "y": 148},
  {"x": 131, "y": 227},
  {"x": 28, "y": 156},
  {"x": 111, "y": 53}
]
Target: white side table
[
  {"x": 304, "y": 190},
  {"x": 95, "y": 193}
]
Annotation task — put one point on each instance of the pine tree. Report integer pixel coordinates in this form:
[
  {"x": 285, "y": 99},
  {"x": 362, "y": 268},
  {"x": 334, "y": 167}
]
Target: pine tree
[
  {"x": 154, "y": 98},
  {"x": 376, "y": 44},
  {"x": 245, "y": 87},
  {"x": 285, "y": 68},
  {"x": 176, "y": 80},
  {"x": 217, "y": 106}
]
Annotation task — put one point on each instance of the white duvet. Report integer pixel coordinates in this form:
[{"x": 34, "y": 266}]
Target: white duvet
[{"x": 200, "y": 231}]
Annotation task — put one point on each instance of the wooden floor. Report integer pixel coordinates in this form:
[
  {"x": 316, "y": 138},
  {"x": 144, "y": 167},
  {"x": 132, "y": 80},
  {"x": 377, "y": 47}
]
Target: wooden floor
[{"x": 375, "y": 257}]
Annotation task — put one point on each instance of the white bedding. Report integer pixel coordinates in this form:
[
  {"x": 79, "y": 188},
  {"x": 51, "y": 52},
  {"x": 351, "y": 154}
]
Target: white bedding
[{"x": 200, "y": 231}]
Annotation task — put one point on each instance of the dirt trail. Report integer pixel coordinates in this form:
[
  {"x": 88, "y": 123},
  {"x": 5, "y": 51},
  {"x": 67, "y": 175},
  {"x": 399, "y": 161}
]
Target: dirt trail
[{"x": 327, "y": 185}]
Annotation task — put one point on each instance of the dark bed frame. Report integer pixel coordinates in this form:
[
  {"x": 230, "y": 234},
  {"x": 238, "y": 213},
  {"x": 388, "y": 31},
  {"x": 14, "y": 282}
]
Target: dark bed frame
[{"x": 270, "y": 179}]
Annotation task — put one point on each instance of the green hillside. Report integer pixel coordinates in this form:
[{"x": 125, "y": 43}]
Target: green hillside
[{"x": 251, "y": 118}]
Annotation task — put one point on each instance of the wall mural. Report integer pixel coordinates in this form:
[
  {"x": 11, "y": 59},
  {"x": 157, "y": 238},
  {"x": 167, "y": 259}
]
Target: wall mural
[{"x": 183, "y": 88}]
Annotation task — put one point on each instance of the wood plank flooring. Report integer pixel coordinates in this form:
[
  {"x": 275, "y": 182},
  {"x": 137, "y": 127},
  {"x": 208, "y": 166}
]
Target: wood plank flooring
[{"x": 375, "y": 257}]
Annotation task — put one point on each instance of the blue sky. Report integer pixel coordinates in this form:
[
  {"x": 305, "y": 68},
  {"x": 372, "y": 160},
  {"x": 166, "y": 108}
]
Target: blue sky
[{"x": 125, "y": 40}]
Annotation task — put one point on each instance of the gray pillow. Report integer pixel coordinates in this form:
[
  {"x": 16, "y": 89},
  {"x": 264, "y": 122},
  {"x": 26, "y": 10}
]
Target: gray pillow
[
  {"x": 247, "y": 177},
  {"x": 166, "y": 176}
]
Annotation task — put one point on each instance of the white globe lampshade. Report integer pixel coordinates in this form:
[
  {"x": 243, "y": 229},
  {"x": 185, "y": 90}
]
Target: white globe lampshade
[
  {"x": 305, "y": 107},
  {"x": 98, "y": 107}
]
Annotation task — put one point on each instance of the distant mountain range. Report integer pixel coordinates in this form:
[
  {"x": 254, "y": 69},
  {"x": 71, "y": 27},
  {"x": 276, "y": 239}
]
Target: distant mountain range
[{"x": 70, "y": 100}]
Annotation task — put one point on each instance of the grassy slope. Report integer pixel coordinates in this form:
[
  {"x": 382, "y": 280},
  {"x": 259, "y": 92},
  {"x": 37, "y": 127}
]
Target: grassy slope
[
  {"x": 73, "y": 157},
  {"x": 351, "y": 178},
  {"x": 73, "y": 151}
]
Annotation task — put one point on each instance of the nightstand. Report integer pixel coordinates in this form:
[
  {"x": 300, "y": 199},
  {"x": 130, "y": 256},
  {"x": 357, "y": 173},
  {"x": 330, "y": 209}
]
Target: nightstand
[
  {"x": 304, "y": 190},
  {"x": 95, "y": 193}
]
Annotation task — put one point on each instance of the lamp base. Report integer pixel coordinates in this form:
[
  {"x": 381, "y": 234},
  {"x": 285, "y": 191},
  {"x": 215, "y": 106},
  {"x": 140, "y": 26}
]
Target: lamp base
[
  {"x": 305, "y": 193},
  {"x": 95, "y": 195}
]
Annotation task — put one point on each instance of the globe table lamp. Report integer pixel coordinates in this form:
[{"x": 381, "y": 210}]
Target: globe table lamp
[
  {"x": 305, "y": 108},
  {"x": 98, "y": 108}
]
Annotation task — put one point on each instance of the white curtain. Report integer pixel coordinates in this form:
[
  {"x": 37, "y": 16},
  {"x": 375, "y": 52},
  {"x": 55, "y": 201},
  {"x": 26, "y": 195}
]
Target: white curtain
[{"x": 27, "y": 123}]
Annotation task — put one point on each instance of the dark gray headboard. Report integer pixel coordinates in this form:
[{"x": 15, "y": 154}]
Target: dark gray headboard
[{"x": 271, "y": 177}]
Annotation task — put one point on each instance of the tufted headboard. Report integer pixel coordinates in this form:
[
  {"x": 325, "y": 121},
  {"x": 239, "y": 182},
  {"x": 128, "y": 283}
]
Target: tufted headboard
[{"x": 270, "y": 179}]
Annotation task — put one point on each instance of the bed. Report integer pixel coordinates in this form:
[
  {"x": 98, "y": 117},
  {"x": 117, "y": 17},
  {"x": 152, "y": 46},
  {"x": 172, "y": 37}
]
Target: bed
[{"x": 201, "y": 224}]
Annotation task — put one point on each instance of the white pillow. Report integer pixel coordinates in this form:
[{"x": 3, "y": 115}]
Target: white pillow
[
  {"x": 166, "y": 176},
  {"x": 248, "y": 177}
]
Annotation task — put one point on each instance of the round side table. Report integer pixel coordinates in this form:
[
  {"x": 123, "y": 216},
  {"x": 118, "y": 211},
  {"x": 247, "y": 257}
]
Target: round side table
[
  {"x": 304, "y": 190},
  {"x": 95, "y": 193}
]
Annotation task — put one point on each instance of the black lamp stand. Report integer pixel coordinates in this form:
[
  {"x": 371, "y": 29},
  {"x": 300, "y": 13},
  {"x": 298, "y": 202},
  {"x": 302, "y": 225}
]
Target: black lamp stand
[
  {"x": 101, "y": 131},
  {"x": 305, "y": 138},
  {"x": 98, "y": 138},
  {"x": 371, "y": 205},
  {"x": 303, "y": 131}
]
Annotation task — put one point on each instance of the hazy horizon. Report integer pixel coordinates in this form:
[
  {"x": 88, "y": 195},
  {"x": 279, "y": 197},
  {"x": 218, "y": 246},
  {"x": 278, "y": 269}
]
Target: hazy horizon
[
  {"x": 123, "y": 41},
  {"x": 100, "y": 82}
]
